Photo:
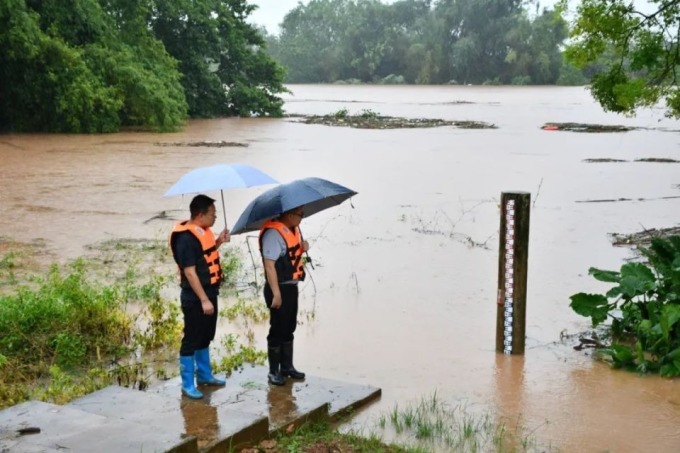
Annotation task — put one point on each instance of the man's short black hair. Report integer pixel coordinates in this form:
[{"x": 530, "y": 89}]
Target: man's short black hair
[{"x": 200, "y": 205}]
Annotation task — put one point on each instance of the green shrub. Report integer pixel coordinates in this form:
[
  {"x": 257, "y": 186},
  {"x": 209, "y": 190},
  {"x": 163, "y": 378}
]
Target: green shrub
[{"x": 644, "y": 306}]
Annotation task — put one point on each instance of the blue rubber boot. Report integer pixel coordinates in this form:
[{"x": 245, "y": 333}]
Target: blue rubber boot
[
  {"x": 186, "y": 370},
  {"x": 204, "y": 374}
]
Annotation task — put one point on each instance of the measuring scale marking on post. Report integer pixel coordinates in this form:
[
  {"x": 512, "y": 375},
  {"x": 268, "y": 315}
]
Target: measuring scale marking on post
[{"x": 509, "y": 275}]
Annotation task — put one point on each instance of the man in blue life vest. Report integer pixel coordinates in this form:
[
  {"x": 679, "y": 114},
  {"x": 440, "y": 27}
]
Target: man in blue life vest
[
  {"x": 195, "y": 250},
  {"x": 281, "y": 246}
]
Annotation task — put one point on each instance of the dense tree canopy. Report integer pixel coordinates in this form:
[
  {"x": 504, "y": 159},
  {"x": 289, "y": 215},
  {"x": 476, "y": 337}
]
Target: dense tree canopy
[
  {"x": 98, "y": 65},
  {"x": 640, "y": 51},
  {"x": 421, "y": 41}
]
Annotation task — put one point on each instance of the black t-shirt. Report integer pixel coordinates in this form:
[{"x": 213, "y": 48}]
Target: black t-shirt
[{"x": 188, "y": 251}]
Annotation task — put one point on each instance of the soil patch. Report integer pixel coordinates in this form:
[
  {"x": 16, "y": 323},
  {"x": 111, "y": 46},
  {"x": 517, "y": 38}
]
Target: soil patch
[
  {"x": 374, "y": 121},
  {"x": 584, "y": 127}
]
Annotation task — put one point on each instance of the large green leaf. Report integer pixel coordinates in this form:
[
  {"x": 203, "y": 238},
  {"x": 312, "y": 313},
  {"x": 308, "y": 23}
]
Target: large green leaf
[
  {"x": 595, "y": 306},
  {"x": 636, "y": 279},
  {"x": 605, "y": 276},
  {"x": 670, "y": 315}
]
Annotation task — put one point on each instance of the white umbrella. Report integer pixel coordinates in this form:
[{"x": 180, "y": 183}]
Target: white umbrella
[{"x": 219, "y": 177}]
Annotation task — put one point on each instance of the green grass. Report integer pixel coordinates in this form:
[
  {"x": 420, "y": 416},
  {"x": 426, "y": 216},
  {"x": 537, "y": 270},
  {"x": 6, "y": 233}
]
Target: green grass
[{"x": 436, "y": 426}]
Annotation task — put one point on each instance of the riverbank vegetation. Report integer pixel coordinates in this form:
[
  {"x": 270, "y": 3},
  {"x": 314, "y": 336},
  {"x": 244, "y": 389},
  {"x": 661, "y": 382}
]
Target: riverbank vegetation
[
  {"x": 90, "y": 66},
  {"x": 423, "y": 42},
  {"x": 643, "y": 307},
  {"x": 626, "y": 52},
  {"x": 87, "y": 66}
]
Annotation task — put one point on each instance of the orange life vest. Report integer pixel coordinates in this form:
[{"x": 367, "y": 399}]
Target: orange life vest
[
  {"x": 290, "y": 266},
  {"x": 209, "y": 271}
]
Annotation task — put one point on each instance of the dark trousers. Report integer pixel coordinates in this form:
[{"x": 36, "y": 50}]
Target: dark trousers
[
  {"x": 199, "y": 329},
  {"x": 282, "y": 320}
]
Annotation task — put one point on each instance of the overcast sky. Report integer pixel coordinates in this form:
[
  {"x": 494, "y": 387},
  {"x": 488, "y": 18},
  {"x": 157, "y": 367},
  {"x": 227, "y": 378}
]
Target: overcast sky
[{"x": 271, "y": 12}]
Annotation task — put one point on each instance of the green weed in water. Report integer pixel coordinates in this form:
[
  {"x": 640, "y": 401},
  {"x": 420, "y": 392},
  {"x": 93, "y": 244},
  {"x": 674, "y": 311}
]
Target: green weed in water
[
  {"x": 247, "y": 310},
  {"x": 431, "y": 424},
  {"x": 8, "y": 261},
  {"x": 72, "y": 328},
  {"x": 238, "y": 354}
]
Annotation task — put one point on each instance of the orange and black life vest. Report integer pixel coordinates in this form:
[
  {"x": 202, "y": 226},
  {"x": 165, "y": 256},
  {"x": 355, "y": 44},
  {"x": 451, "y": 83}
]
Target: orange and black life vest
[
  {"x": 209, "y": 270},
  {"x": 289, "y": 266}
]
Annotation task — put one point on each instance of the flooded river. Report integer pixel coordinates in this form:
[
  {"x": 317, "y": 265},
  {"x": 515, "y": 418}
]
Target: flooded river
[{"x": 404, "y": 289}]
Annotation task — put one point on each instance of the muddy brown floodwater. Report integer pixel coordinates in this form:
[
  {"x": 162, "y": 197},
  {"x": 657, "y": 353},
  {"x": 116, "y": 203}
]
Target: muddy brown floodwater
[{"x": 402, "y": 300}]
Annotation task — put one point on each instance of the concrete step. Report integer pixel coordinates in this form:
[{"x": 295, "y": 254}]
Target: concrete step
[
  {"x": 290, "y": 404},
  {"x": 214, "y": 426},
  {"x": 118, "y": 419},
  {"x": 64, "y": 428}
]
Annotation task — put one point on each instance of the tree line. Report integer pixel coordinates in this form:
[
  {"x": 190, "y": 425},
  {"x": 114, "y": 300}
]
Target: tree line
[
  {"x": 101, "y": 65},
  {"x": 88, "y": 66},
  {"x": 424, "y": 42}
]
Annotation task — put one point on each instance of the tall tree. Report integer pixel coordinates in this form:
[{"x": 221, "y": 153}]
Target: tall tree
[
  {"x": 312, "y": 41},
  {"x": 534, "y": 48},
  {"x": 477, "y": 31},
  {"x": 646, "y": 50},
  {"x": 225, "y": 68},
  {"x": 65, "y": 67}
]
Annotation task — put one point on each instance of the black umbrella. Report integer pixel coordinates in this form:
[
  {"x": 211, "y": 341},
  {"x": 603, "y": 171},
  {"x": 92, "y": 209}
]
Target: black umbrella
[{"x": 313, "y": 194}]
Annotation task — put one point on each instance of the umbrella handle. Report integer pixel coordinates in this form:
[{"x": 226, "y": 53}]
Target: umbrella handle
[
  {"x": 309, "y": 260},
  {"x": 224, "y": 211}
]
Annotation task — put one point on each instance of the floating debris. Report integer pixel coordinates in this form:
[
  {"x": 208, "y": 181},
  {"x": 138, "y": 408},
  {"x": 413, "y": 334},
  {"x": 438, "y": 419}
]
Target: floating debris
[
  {"x": 28, "y": 430},
  {"x": 163, "y": 215},
  {"x": 643, "y": 238},
  {"x": 374, "y": 121},
  {"x": 662, "y": 160},
  {"x": 612, "y": 200},
  {"x": 220, "y": 144},
  {"x": 583, "y": 127},
  {"x": 605, "y": 159}
]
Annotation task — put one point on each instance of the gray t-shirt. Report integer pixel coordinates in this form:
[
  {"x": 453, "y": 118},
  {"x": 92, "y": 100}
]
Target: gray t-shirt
[{"x": 274, "y": 247}]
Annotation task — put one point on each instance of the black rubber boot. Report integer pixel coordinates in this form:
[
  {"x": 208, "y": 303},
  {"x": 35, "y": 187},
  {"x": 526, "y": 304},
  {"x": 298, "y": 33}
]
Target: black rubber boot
[
  {"x": 275, "y": 377},
  {"x": 287, "y": 368}
]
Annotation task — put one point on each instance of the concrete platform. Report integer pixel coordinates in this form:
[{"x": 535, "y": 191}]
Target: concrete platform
[
  {"x": 66, "y": 429},
  {"x": 118, "y": 419}
]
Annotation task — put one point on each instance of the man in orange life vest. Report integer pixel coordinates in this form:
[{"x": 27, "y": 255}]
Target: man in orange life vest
[
  {"x": 194, "y": 248},
  {"x": 281, "y": 246}
]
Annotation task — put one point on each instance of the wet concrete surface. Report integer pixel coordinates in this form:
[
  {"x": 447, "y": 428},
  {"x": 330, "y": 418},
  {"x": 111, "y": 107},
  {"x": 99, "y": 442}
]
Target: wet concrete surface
[
  {"x": 118, "y": 419},
  {"x": 64, "y": 428}
]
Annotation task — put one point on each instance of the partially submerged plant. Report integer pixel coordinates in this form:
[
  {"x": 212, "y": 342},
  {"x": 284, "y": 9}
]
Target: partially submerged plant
[{"x": 644, "y": 307}]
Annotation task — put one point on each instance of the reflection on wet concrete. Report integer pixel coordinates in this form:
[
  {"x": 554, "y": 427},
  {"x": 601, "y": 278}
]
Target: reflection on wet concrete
[
  {"x": 200, "y": 419},
  {"x": 282, "y": 403}
]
